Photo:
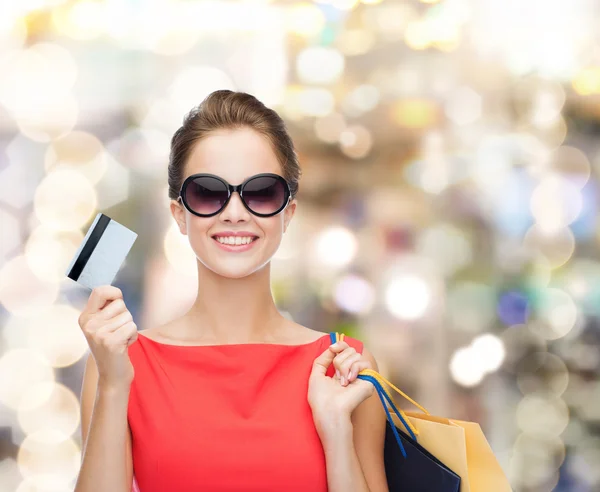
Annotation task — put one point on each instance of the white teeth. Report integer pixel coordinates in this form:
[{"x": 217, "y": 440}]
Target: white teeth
[{"x": 237, "y": 240}]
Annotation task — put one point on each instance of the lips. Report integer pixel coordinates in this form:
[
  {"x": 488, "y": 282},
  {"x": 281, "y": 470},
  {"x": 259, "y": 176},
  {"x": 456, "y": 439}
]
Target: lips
[
  {"x": 235, "y": 248},
  {"x": 254, "y": 238}
]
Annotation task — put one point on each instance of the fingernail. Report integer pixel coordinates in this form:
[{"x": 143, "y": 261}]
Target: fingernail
[
  {"x": 334, "y": 345},
  {"x": 343, "y": 381},
  {"x": 337, "y": 373}
]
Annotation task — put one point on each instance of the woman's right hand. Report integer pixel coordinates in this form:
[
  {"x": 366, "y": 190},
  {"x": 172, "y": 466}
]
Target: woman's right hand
[{"x": 109, "y": 329}]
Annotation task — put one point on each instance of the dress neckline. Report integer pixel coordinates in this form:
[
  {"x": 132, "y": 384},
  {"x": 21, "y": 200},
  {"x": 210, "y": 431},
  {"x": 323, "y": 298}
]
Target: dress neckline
[{"x": 253, "y": 344}]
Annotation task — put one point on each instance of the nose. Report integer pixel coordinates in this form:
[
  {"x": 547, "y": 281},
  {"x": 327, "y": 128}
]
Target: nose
[{"x": 235, "y": 211}]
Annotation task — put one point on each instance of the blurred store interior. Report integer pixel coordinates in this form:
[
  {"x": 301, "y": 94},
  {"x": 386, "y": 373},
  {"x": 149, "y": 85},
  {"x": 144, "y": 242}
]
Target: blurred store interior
[{"x": 448, "y": 209}]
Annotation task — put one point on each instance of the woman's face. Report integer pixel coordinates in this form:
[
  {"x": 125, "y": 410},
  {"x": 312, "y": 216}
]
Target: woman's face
[{"x": 234, "y": 155}]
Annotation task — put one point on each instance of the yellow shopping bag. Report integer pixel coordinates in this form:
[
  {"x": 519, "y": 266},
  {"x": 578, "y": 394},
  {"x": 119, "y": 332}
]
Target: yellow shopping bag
[
  {"x": 463, "y": 447},
  {"x": 485, "y": 472}
]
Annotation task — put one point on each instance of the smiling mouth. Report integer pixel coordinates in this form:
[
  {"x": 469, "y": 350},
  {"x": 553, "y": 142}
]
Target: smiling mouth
[{"x": 234, "y": 244}]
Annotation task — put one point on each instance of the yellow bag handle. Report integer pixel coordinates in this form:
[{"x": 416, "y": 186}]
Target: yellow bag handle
[{"x": 339, "y": 337}]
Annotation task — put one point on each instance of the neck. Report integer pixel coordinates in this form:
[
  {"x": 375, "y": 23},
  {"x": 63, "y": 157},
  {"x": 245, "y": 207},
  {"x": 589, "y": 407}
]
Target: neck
[{"x": 234, "y": 310}]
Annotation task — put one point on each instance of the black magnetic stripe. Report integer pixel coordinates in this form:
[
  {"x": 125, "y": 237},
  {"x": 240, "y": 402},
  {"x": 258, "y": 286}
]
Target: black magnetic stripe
[{"x": 89, "y": 247}]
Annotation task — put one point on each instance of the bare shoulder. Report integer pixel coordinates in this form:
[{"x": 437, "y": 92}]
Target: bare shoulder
[{"x": 369, "y": 356}]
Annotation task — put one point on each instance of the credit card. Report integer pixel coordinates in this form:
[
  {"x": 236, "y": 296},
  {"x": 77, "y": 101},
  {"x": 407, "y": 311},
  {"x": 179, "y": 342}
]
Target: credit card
[{"x": 101, "y": 253}]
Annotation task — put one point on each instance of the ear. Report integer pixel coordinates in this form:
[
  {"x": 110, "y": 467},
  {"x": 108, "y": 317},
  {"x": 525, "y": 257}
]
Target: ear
[
  {"x": 178, "y": 213},
  {"x": 289, "y": 213}
]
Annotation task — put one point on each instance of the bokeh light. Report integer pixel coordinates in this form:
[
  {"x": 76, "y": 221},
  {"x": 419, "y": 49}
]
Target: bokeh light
[
  {"x": 80, "y": 151},
  {"x": 466, "y": 367},
  {"x": 335, "y": 247},
  {"x": 355, "y": 294},
  {"x": 49, "y": 458},
  {"x": 319, "y": 65},
  {"x": 22, "y": 292},
  {"x": 27, "y": 368},
  {"x": 59, "y": 410},
  {"x": 49, "y": 252},
  {"x": 407, "y": 297},
  {"x": 65, "y": 200}
]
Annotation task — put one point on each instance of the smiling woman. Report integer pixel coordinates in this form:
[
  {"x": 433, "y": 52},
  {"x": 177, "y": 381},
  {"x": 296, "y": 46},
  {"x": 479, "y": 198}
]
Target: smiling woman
[{"x": 233, "y": 395}]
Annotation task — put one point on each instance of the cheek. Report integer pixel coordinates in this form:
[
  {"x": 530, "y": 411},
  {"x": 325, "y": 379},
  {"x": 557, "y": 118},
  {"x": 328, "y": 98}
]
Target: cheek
[
  {"x": 197, "y": 230},
  {"x": 272, "y": 233},
  {"x": 271, "y": 226}
]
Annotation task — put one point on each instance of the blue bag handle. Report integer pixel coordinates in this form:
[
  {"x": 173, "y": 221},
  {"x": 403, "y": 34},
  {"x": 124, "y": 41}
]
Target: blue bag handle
[{"x": 384, "y": 396}]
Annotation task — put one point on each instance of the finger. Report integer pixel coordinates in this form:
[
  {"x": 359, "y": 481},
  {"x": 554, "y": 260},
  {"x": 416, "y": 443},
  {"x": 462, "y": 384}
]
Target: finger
[
  {"x": 100, "y": 296},
  {"x": 113, "y": 309},
  {"x": 124, "y": 336},
  {"x": 344, "y": 367},
  {"x": 115, "y": 323},
  {"x": 357, "y": 367},
  {"x": 323, "y": 361},
  {"x": 347, "y": 363},
  {"x": 340, "y": 358},
  {"x": 339, "y": 347}
]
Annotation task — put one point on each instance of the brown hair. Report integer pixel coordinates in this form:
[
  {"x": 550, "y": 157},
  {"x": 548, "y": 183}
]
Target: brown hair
[{"x": 225, "y": 109}]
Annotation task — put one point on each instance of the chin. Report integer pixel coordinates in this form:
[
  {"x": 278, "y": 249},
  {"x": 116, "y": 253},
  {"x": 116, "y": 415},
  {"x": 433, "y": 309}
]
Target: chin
[{"x": 231, "y": 271}]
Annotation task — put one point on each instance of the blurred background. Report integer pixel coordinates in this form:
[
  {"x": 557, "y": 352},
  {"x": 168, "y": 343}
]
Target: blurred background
[{"x": 448, "y": 210}]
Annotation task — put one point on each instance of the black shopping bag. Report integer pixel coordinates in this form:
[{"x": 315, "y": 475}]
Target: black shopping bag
[{"x": 420, "y": 471}]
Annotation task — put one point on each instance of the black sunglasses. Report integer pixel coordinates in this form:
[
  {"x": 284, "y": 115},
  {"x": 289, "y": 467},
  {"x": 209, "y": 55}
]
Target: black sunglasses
[{"x": 264, "y": 194}]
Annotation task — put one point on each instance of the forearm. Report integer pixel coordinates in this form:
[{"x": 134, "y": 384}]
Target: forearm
[
  {"x": 104, "y": 465},
  {"x": 344, "y": 472}
]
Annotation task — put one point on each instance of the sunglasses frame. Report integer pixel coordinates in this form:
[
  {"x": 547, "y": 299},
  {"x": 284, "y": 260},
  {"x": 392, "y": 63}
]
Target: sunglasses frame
[{"x": 230, "y": 189}]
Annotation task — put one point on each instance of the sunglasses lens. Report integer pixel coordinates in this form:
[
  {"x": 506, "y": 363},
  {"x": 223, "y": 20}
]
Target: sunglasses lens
[
  {"x": 265, "y": 194},
  {"x": 206, "y": 195}
]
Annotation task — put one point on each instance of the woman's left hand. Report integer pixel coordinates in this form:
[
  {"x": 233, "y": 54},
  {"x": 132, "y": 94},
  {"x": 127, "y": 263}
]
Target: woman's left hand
[{"x": 333, "y": 399}]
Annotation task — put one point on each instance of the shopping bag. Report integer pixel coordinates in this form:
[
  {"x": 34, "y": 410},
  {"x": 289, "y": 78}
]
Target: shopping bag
[
  {"x": 409, "y": 467},
  {"x": 459, "y": 448},
  {"x": 419, "y": 471},
  {"x": 485, "y": 473},
  {"x": 463, "y": 447}
]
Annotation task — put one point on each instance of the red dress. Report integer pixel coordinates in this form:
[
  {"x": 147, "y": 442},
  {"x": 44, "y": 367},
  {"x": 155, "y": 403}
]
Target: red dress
[{"x": 225, "y": 418}]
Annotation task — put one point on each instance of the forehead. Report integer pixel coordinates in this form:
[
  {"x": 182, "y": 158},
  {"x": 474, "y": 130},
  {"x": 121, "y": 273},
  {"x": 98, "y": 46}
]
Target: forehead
[{"x": 233, "y": 155}]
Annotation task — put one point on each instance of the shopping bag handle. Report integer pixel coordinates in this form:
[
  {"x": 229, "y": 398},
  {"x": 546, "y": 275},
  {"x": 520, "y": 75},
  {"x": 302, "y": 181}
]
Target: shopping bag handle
[
  {"x": 383, "y": 396},
  {"x": 335, "y": 337},
  {"x": 378, "y": 381}
]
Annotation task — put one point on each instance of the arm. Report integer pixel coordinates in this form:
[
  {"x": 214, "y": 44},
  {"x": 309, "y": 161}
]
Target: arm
[
  {"x": 106, "y": 438},
  {"x": 354, "y": 447}
]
